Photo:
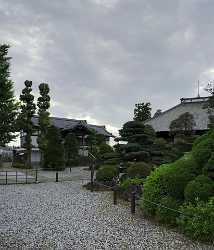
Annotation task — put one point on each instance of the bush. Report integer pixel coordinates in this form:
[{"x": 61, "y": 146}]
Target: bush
[
  {"x": 167, "y": 216},
  {"x": 20, "y": 165},
  {"x": 197, "y": 221},
  {"x": 153, "y": 190},
  {"x": 209, "y": 167},
  {"x": 139, "y": 170},
  {"x": 202, "y": 151},
  {"x": 201, "y": 188},
  {"x": 129, "y": 185},
  {"x": 138, "y": 156},
  {"x": 106, "y": 173}
]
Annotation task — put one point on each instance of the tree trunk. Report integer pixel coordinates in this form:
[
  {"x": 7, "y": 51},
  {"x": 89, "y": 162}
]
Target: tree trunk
[{"x": 28, "y": 149}]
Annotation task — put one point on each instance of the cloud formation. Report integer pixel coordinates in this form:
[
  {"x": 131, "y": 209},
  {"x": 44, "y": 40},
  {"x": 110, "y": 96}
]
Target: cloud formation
[{"x": 100, "y": 57}]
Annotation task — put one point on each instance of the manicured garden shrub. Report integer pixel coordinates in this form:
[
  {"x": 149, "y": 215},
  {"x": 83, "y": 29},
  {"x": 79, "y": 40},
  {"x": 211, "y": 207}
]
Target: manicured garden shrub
[
  {"x": 137, "y": 156},
  {"x": 202, "y": 151},
  {"x": 182, "y": 171},
  {"x": 209, "y": 167},
  {"x": 131, "y": 185},
  {"x": 197, "y": 221},
  {"x": 153, "y": 189},
  {"x": 106, "y": 173},
  {"x": 139, "y": 170},
  {"x": 167, "y": 216},
  {"x": 201, "y": 188}
]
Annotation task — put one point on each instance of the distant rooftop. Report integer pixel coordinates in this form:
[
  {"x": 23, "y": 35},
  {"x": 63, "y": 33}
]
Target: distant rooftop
[{"x": 66, "y": 124}]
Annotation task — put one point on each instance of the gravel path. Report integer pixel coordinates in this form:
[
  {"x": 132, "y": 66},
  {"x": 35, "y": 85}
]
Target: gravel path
[{"x": 66, "y": 216}]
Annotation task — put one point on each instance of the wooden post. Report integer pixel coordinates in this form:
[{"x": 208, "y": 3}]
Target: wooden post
[
  {"x": 133, "y": 203},
  {"x": 6, "y": 177},
  {"x": 92, "y": 177},
  {"x": 26, "y": 176},
  {"x": 36, "y": 178},
  {"x": 16, "y": 178},
  {"x": 115, "y": 195},
  {"x": 57, "y": 176}
]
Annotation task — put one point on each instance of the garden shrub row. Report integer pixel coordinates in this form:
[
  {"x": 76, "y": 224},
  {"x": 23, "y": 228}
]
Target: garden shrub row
[{"x": 182, "y": 193}]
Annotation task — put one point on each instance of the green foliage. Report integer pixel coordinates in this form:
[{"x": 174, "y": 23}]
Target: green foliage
[
  {"x": 43, "y": 104},
  {"x": 201, "y": 188},
  {"x": 71, "y": 146},
  {"x": 140, "y": 170},
  {"x": 26, "y": 114},
  {"x": 8, "y": 105},
  {"x": 166, "y": 213},
  {"x": 54, "y": 157},
  {"x": 105, "y": 148},
  {"x": 106, "y": 173},
  {"x": 202, "y": 150},
  {"x": 209, "y": 167},
  {"x": 184, "y": 124},
  {"x": 168, "y": 180},
  {"x": 137, "y": 156},
  {"x": 142, "y": 111},
  {"x": 131, "y": 182},
  {"x": 197, "y": 221}
]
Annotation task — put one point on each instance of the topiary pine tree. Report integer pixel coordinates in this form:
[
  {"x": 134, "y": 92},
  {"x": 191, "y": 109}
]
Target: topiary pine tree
[
  {"x": 54, "y": 156},
  {"x": 142, "y": 111},
  {"x": 71, "y": 149},
  {"x": 27, "y": 112},
  {"x": 8, "y": 105},
  {"x": 43, "y": 104}
]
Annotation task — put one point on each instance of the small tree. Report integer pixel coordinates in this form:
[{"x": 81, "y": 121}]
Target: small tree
[
  {"x": 8, "y": 105},
  {"x": 142, "y": 111},
  {"x": 71, "y": 149},
  {"x": 54, "y": 157},
  {"x": 183, "y": 125},
  {"x": 27, "y": 112},
  {"x": 43, "y": 104},
  {"x": 210, "y": 105}
]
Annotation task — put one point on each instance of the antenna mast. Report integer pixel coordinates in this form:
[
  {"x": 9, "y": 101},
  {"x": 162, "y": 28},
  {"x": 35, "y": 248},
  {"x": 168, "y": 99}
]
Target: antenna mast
[{"x": 198, "y": 89}]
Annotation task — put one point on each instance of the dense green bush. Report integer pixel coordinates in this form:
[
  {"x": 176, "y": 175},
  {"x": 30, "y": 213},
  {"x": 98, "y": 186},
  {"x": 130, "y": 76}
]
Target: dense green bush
[
  {"x": 168, "y": 180},
  {"x": 137, "y": 156},
  {"x": 209, "y": 167},
  {"x": 131, "y": 182},
  {"x": 139, "y": 170},
  {"x": 165, "y": 215},
  {"x": 197, "y": 221},
  {"x": 202, "y": 150},
  {"x": 153, "y": 190},
  {"x": 106, "y": 173},
  {"x": 201, "y": 188}
]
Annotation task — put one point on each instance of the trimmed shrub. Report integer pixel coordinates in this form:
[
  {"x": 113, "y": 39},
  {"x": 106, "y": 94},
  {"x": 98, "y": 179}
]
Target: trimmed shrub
[
  {"x": 153, "y": 189},
  {"x": 167, "y": 216},
  {"x": 106, "y": 173},
  {"x": 202, "y": 151},
  {"x": 129, "y": 185},
  {"x": 138, "y": 156},
  {"x": 209, "y": 167},
  {"x": 197, "y": 221},
  {"x": 201, "y": 188},
  {"x": 139, "y": 170}
]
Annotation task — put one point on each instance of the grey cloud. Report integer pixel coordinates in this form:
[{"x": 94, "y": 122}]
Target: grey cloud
[{"x": 101, "y": 57}]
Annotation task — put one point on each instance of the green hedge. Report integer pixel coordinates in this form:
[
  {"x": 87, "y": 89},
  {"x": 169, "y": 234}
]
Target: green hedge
[
  {"x": 106, "y": 173},
  {"x": 197, "y": 221},
  {"x": 139, "y": 170},
  {"x": 201, "y": 188}
]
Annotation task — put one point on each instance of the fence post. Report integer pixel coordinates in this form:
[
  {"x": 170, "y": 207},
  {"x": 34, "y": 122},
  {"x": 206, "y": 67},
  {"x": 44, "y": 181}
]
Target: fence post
[
  {"x": 57, "y": 177},
  {"x": 26, "y": 176},
  {"x": 115, "y": 195},
  {"x": 16, "y": 177},
  {"x": 36, "y": 178},
  {"x": 6, "y": 177},
  {"x": 92, "y": 177},
  {"x": 133, "y": 196}
]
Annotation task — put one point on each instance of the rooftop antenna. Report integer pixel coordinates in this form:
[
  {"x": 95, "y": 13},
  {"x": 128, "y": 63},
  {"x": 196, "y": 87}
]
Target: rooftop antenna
[{"x": 198, "y": 89}]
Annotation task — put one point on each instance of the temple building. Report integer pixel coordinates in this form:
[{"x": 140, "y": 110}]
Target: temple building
[
  {"x": 196, "y": 106},
  {"x": 78, "y": 127}
]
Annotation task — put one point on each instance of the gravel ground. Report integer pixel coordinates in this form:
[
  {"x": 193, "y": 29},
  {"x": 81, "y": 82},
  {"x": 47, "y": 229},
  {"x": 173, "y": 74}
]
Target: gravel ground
[{"x": 66, "y": 216}]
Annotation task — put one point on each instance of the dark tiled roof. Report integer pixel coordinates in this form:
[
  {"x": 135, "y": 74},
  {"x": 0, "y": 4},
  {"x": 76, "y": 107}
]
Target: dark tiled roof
[{"x": 66, "y": 124}]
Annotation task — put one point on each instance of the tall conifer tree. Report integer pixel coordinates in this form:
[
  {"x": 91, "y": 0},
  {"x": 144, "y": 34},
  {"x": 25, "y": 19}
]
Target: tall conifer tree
[
  {"x": 8, "y": 105},
  {"x": 27, "y": 112},
  {"x": 43, "y": 104}
]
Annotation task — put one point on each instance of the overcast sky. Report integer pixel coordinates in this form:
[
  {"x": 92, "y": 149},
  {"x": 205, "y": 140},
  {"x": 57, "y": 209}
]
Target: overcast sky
[{"x": 100, "y": 57}]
